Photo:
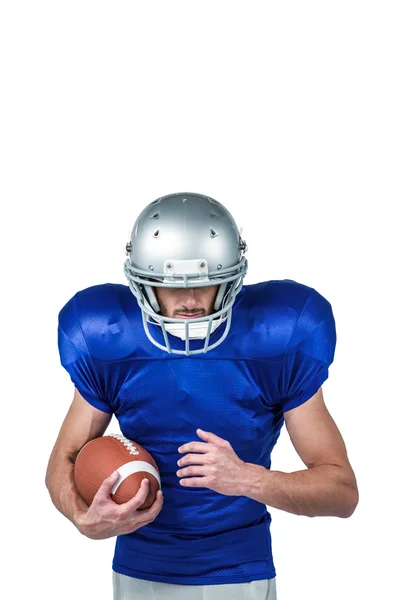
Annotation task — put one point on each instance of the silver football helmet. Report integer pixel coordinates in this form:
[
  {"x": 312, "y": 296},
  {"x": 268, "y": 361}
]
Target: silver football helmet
[{"x": 185, "y": 240}]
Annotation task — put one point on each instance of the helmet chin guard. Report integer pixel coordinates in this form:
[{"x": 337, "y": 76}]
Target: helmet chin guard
[{"x": 184, "y": 241}]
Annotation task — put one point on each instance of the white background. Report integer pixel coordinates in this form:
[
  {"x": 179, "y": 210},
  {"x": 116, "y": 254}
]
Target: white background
[{"x": 287, "y": 113}]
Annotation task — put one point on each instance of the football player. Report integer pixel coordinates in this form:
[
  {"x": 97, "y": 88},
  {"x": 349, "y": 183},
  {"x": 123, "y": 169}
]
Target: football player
[{"x": 203, "y": 372}]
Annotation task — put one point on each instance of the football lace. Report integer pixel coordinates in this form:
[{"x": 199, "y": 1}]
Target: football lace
[{"x": 127, "y": 443}]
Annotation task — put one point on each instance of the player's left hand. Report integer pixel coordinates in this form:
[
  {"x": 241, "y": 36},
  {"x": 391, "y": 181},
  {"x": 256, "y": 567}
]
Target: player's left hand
[{"x": 216, "y": 466}]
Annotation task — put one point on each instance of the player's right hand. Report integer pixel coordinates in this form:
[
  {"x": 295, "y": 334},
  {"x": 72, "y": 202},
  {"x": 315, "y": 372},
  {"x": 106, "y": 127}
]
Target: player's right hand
[{"x": 105, "y": 518}]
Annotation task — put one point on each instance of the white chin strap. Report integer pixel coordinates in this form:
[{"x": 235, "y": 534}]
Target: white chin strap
[{"x": 197, "y": 331}]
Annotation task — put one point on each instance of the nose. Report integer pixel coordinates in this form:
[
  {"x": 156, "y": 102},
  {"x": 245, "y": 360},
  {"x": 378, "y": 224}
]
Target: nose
[{"x": 189, "y": 298}]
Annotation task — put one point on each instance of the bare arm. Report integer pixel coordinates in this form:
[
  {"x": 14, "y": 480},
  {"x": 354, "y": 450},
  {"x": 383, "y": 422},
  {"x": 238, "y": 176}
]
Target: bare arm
[
  {"x": 104, "y": 518},
  {"x": 82, "y": 423},
  {"x": 328, "y": 486}
]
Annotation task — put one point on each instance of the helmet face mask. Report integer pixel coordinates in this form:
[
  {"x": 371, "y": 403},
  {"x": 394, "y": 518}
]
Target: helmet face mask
[{"x": 185, "y": 241}]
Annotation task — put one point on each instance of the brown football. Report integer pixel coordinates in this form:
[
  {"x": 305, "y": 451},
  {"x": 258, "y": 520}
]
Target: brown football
[{"x": 104, "y": 455}]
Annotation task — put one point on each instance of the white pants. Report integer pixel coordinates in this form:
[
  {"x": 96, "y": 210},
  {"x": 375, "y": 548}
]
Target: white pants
[{"x": 130, "y": 588}]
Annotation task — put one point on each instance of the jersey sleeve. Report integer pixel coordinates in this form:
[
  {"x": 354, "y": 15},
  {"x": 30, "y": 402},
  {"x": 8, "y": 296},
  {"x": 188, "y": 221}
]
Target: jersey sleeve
[
  {"x": 309, "y": 353},
  {"x": 76, "y": 359}
]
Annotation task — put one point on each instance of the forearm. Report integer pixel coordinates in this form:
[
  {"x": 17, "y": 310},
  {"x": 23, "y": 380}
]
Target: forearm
[
  {"x": 324, "y": 490},
  {"x": 61, "y": 485}
]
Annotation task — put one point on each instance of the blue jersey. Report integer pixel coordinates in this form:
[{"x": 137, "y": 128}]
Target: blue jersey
[{"x": 276, "y": 356}]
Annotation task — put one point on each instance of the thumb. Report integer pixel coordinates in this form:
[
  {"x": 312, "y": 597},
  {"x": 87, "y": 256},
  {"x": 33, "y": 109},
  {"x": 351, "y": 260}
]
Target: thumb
[{"x": 108, "y": 484}]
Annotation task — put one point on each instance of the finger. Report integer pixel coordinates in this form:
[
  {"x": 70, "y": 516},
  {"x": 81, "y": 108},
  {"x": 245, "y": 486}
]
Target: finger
[
  {"x": 192, "y": 471},
  {"x": 194, "y": 482},
  {"x": 155, "y": 507},
  {"x": 139, "y": 498},
  {"x": 194, "y": 447},
  {"x": 158, "y": 502},
  {"x": 104, "y": 490},
  {"x": 193, "y": 459},
  {"x": 211, "y": 437},
  {"x": 147, "y": 515}
]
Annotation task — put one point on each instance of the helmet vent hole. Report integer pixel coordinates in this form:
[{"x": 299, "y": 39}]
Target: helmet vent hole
[
  {"x": 213, "y": 233},
  {"x": 155, "y": 216},
  {"x": 213, "y": 215},
  {"x": 156, "y": 233}
]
